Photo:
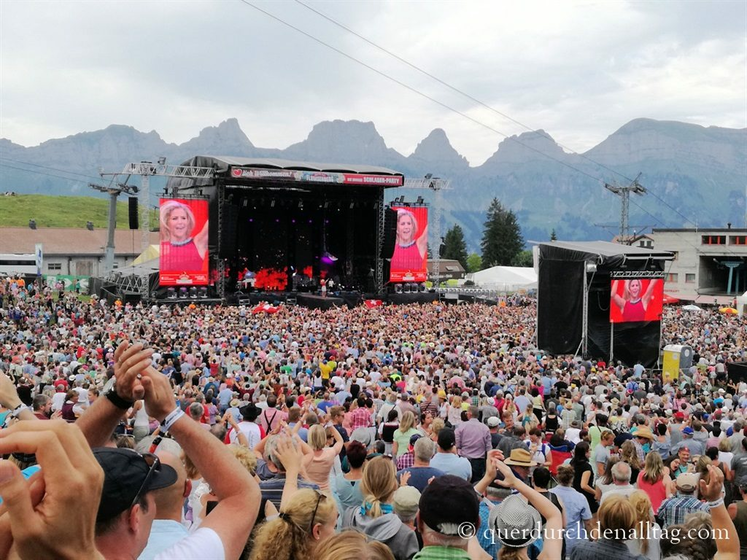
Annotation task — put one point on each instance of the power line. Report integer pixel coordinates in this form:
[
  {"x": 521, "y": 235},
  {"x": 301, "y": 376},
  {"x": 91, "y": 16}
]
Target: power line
[
  {"x": 40, "y": 172},
  {"x": 448, "y": 107},
  {"x": 483, "y": 104},
  {"x": 88, "y": 177},
  {"x": 418, "y": 92}
]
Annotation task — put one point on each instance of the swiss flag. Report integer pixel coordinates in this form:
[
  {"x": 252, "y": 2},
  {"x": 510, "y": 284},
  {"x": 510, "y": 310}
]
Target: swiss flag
[
  {"x": 265, "y": 308},
  {"x": 371, "y": 303}
]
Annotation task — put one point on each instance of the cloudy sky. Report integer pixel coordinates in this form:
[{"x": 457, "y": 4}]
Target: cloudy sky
[{"x": 578, "y": 69}]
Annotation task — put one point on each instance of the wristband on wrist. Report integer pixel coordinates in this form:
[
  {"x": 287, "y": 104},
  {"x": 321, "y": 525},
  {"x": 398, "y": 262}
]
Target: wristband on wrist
[
  {"x": 171, "y": 419},
  {"x": 17, "y": 410},
  {"x": 717, "y": 503},
  {"x": 118, "y": 401}
]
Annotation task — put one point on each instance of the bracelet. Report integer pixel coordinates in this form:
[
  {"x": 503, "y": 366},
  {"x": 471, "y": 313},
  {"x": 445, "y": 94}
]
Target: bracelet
[
  {"x": 118, "y": 401},
  {"x": 17, "y": 410},
  {"x": 715, "y": 504},
  {"x": 171, "y": 419}
]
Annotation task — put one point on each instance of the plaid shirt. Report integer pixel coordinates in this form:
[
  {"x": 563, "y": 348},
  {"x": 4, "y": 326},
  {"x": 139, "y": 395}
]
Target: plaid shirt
[
  {"x": 673, "y": 510},
  {"x": 406, "y": 461},
  {"x": 360, "y": 418}
]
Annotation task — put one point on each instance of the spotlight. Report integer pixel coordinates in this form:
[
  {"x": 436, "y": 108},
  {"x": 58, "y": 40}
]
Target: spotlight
[
  {"x": 162, "y": 161},
  {"x": 193, "y": 293},
  {"x": 328, "y": 258},
  {"x": 171, "y": 293},
  {"x": 398, "y": 288},
  {"x": 182, "y": 293},
  {"x": 272, "y": 203}
]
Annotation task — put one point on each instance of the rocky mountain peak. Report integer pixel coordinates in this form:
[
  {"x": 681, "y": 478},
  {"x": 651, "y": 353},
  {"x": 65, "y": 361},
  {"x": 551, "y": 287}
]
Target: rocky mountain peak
[{"x": 436, "y": 149}]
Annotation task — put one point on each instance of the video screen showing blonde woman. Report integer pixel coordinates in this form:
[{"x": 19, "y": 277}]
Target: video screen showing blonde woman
[
  {"x": 184, "y": 242},
  {"x": 410, "y": 257},
  {"x": 636, "y": 300}
]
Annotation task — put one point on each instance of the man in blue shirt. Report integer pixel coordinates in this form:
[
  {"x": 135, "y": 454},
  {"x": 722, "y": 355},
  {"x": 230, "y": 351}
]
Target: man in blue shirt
[{"x": 447, "y": 459}]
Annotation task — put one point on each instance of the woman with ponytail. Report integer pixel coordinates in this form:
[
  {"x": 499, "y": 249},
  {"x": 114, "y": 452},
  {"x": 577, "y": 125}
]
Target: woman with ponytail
[
  {"x": 309, "y": 518},
  {"x": 376, "y": 517},
  {"x": 646, "y": 533}
]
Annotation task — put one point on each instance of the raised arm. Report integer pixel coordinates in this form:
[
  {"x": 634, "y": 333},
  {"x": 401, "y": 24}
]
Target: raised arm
[
  {"x": 237, "y": 492},
  {"x": 649, "y": 293},
  {"x": 201, "y": 241},
  {"x": 617, "y": 298},
  {"x": 9, "y": 399},
  {"x": 553, "y": 543},
  {"x": 727, "y": 547},
  {"x": 423, "y": 242}
]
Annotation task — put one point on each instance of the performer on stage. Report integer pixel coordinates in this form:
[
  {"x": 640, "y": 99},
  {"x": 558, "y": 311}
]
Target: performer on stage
[
  {"x": 180, "y": 251},
  {"x": 632, "y": 304},
  {"x": 409, "y": 253}
]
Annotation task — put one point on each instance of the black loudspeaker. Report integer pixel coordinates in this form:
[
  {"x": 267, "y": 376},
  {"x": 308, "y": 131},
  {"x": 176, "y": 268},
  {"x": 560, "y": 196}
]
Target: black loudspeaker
[
  {"x": 737, "y": 371},
  {"x": 132, "y": 208},
  {"x": 230, "y": 225},
  {"x": 390, "y": 233}
]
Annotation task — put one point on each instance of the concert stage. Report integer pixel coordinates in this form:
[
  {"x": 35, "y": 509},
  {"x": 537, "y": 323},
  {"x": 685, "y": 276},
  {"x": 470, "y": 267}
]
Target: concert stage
[{"x": 283, "y": 226}]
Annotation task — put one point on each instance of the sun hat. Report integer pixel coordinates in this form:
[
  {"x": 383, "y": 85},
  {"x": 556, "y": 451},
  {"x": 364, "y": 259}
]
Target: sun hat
[
  {"x": 515, "y": 523},
  {"x": 520, "y": 458}
]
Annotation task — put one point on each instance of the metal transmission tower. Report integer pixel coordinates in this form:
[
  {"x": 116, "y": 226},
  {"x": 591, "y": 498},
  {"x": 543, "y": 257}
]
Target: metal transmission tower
[
  {"x": 624, "y": 193},
  {"x": 146, "y": 170},
  {"x": 113, "y": 191},
  {"x": 436, "y": 184}
]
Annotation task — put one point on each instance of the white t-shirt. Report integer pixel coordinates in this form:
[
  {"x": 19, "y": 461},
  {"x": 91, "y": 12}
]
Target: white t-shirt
[
  {"x": 251, "y": 431},
  {"x": 203, "y": 543}
]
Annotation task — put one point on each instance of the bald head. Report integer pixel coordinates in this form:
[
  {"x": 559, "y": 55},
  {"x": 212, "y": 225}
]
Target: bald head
[{"x": 169, "y": 500}]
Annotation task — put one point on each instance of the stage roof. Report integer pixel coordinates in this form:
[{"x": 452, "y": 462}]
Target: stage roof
[
  {"x": 222, "y": 163},
  {"x": 602, "y": 251},
  {"x": 239, "y": 169}
]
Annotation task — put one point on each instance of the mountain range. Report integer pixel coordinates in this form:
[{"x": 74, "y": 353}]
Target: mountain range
[{"x": 694, "y": 175}]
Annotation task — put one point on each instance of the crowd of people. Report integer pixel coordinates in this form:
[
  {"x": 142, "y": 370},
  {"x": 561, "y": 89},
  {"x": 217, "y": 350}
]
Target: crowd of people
[{"x": 415, "y": 431}]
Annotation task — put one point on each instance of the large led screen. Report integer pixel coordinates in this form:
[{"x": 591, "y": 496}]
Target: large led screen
[
  {"x": 184, "y": 242},
  {"x": 410, "y": 257},
  {"x": 636, "y": 300}
]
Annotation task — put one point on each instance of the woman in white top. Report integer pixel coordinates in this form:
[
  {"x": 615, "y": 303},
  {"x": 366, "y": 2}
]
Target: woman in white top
[{"x": 141, "y": 425}]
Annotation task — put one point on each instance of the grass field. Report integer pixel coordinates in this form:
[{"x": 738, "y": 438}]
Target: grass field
[{"x": 61, "y": 211}]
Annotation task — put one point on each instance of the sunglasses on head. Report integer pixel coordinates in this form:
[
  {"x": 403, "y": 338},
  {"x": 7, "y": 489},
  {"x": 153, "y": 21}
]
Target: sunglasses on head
[
  {"x": 319, "y": 496},
  {"x": 154, "y": 464}
]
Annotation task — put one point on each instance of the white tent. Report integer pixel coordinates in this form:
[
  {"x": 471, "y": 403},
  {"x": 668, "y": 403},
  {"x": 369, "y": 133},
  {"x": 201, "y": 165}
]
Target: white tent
[
  {"x": 742, "y": 304},
  {"x": 506, "y": 278}
]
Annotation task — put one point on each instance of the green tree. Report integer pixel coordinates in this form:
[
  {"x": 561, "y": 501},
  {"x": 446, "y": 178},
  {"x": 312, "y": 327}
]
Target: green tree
[
  {"x": 501, "y": 239},
  {"x": 524, "y": 258},
  {"x": 474, "y": 263},
  {"x": 553, "y": 235},
  {"x": 454, "y": 246}
]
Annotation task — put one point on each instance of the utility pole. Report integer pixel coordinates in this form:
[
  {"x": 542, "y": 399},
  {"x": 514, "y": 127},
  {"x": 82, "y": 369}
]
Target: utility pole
[
  {"x": 148, "y": 169},
  {"x": 624, "y": 194},
  {"x": 113, "y": 191}
]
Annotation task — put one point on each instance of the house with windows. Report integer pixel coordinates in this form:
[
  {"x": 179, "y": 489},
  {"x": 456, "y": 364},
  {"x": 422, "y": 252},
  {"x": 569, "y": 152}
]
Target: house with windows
[
  {"x": 710, "y": 263},
  {"x": 73, "y": 251}
]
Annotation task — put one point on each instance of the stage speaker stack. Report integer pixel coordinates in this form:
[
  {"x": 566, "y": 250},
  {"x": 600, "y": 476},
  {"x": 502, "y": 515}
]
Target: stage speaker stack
[
  {"x": 230, "y": 226},
  {"x": 132, "y": 212},
  {"x": 390, "y": 233}
]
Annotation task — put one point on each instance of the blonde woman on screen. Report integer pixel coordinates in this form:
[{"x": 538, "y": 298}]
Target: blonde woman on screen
[{"x": 180, "y": 250}]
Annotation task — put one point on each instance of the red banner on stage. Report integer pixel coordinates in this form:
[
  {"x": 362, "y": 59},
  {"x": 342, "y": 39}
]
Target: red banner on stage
[
  {"x": 636, "y": 300},
  {"x": 410, "y": 257},
  {"x": 184, "y": 242}
]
